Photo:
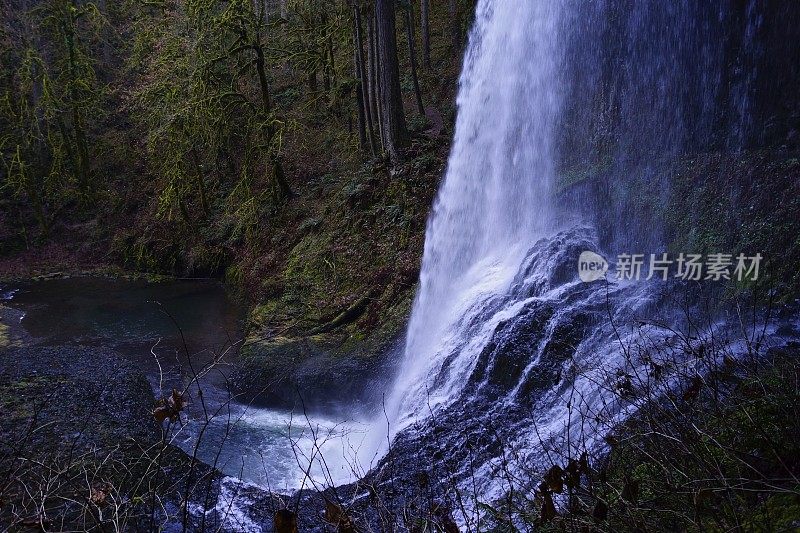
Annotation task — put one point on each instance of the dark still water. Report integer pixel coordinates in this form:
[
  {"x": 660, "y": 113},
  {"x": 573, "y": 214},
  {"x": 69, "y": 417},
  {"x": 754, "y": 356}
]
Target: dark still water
[
  {"x": 133, "y": 317},
  {"x": 163, "y": 327}
]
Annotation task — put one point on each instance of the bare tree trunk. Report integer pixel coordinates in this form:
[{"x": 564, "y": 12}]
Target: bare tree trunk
[
  {"x": 283, "y": 10},
  {"x": 455, "y": 25},
  {"x": 362, "y": 127},
  {"x": 107, "y": 48},
  {"x": 361, "y": 74},
  {"x": 372, "y": 63},
  {"x": 81, "y": 159},
  {"x": 412, "y": 55},
  {"x": 425, "y": 28},
  {"x": 394, "y": 123},
  {"x": 199, "y": 179}
]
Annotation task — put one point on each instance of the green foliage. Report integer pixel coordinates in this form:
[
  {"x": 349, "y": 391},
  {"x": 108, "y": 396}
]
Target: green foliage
[
  {"x": 418, "y": 123},
  {"x": 189, "y": 111},
  {"x": 210, "y": 124},
  {"x": 311, "y": 32},
  {"x": 50, "y": 96}
]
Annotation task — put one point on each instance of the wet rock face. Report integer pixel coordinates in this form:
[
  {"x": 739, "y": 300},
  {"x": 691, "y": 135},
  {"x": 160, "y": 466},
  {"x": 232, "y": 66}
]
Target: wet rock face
[
  {"x": 551, "y": 262},
  {"x": 504, "y": 359},
  {"x": 312, "y": 372},
  {"x": 550, "y": 320},
  {"x": 524, "y": 359}
]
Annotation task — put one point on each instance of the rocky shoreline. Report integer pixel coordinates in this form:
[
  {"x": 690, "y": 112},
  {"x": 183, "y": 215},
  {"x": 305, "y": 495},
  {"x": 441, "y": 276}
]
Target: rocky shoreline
[
  {"x": 87, "y": 413},
  {"x": 79, "y": 446}
]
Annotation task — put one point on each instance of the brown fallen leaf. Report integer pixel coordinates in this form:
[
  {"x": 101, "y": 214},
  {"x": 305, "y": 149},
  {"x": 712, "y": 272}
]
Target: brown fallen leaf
[
  {"x": 449, "y": 526},
  {"x": 548, "y": 508},
  {"x": 729, "y": 362},
  {"x": 99, "y": 492},
  {"x": 443, "y": 519},
  {"x": 693, "y": 390},
  {"x": 658, "y": 370},
  {"x": 285, "y": 521},
  {"x": 336, "y": 516},
  {"x": 169, "y": 407},
  {"x": 583, "y": 461},
  {"x": 554, "y": 478}
]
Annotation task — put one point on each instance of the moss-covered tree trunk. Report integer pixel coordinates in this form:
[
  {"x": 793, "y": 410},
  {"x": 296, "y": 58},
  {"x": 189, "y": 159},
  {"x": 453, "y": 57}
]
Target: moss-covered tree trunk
[
  {"x": 275, "y": 163},
  {"x": 80, "y": 155},
  {"x": 364, "y": 84},
  {"x": 372, "y": 76}
]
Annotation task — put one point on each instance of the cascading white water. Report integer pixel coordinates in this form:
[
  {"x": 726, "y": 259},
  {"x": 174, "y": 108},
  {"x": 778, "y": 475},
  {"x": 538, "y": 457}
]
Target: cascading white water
[
  {"x": 560, "y": 102},
  {"x": 495, "y": 201},
  {"x": 501, "y": 321},
  {"x": 512, "y": 363}
]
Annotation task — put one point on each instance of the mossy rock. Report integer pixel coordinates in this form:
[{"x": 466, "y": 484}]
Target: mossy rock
[{"x": 317, "y": 372}]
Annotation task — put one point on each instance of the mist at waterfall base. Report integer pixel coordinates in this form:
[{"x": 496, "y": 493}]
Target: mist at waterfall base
[{"x": 506, "y": 346}]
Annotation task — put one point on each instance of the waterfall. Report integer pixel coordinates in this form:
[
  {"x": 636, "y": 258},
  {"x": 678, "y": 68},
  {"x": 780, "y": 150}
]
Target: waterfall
[
  {"x": 496, "y": 197},
  {"x": 567, "y": 111}
]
